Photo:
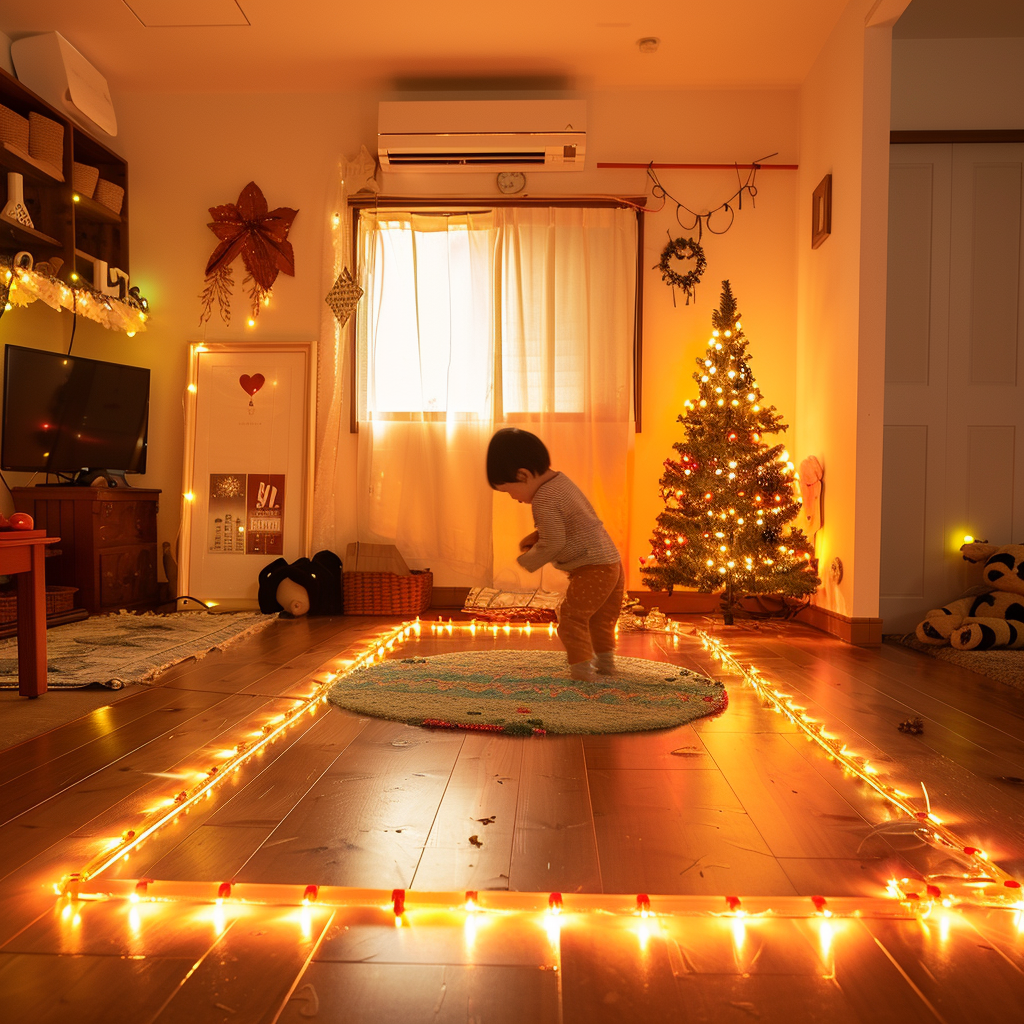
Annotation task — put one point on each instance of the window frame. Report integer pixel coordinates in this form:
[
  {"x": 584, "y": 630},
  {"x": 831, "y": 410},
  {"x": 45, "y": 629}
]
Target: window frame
[{"x": 358, "y": 203}]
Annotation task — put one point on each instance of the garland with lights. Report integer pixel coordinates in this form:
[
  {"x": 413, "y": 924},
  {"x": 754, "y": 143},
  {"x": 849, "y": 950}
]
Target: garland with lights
[
  {"x": 682, "y": 249},
  {"x": 729, "y": 497},
  {"x": 24, "y": 286}
]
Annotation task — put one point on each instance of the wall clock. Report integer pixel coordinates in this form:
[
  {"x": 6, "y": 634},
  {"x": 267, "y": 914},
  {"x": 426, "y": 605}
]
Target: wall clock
[{"x": 510, "y": 182}]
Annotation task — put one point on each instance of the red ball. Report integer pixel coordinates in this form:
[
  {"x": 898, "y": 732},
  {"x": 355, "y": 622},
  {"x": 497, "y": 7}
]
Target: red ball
[{"x": 21, "y": 521}]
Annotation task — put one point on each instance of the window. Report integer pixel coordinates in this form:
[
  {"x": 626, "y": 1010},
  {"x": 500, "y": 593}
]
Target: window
[{"x": 505, "y": 313}]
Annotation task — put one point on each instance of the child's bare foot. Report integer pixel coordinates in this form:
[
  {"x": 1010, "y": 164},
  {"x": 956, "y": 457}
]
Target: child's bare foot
[
  {"x": 582, "y": 672},
  {"x": 605, "y": 663}
]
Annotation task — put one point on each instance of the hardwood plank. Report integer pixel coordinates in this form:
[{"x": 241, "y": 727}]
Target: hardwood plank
[
  {"x": 554, "y": 845},
  {"x": 250, "y": 972},
  {"x": 117, "y": 928},
  {"x": 367, "y": 819},
  {"x": 268, "y": 799},
  {"x": 484, "y": 785},
  {"x": 30, "y": 756},
  {"x": 438, "y": 936},
  {"x": 679, "y": 832},
  {"x": 616, "y": 973},
  {"x": 83, "y": 989},
  {"x": 796, "y": 810},
  {"x": 118, "y": 795},
  {"x": 854, "y": 876},
  {"x": 441, "y": 994},
  {"x": 208, "y": 852},
  {"x": 679, "y": 747},
  {"x": 942, "y": 957}
]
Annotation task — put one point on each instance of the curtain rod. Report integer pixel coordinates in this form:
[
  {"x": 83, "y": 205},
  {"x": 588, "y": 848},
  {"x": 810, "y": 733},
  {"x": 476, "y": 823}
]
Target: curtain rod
[{"x": 701, "y": 167}]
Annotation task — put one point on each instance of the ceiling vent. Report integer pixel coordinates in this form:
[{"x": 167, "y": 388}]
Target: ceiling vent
[{"x": 482, "y": 135}]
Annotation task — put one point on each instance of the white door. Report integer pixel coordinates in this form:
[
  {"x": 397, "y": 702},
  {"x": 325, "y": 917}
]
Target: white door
[{"x": 954, "y": 395}]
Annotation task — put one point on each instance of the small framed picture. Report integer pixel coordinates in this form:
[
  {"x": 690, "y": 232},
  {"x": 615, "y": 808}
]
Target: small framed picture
[{"x": 821, "y": 212}]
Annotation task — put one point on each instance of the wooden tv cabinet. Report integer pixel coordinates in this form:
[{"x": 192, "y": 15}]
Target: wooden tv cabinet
[{"x": 107, "y": 542}]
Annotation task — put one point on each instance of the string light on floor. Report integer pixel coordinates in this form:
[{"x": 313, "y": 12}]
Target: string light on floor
[
  {"x": 993, "y": 886},
  {"x": 988, "y": 885}
]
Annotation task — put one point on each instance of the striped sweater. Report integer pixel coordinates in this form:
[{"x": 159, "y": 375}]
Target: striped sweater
[{"x": 571, "y": 535}]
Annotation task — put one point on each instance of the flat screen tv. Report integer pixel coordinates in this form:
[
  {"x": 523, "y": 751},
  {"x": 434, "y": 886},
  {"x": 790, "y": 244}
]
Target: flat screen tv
[{"x": 65, "y": 414}]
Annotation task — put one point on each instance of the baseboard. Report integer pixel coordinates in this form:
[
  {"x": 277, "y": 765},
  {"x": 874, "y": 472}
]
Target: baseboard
[{"x": 860, "y": 632}]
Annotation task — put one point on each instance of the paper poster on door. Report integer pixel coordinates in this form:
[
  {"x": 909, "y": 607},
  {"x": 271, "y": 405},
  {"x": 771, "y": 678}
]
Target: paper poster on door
[
  {"x": 264, "y": 533},
  {"x": 226, "y": 531}
]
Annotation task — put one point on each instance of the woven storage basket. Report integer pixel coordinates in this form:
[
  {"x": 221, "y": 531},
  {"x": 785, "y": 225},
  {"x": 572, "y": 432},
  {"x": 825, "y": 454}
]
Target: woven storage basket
[
  {"x": 109, "y": 194},
  {"x": 387, "y": 593},
  {"x": 46, "y": 140},
  {"x": 84, "y": 179},
  {"x": 13, "y": 128},
  {"x": 58, "y": 599}
]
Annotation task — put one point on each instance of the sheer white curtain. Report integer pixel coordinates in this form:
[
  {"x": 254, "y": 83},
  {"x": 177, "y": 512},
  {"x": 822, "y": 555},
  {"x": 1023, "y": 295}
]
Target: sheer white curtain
[
  {"x": 426, "y": 388},
  {"x": 518, "y": 316},
  {"x": 568, "y": 287}
]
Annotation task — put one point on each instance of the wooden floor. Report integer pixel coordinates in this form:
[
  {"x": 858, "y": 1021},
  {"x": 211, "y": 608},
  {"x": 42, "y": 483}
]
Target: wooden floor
[{"x": 740, "y": 804}]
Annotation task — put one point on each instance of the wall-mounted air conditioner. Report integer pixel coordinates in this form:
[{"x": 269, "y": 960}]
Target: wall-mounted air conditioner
[{"x": 482, "y": 135}]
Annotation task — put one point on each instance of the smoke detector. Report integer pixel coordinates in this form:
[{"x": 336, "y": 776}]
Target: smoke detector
[{"x": 649, "y": 44}]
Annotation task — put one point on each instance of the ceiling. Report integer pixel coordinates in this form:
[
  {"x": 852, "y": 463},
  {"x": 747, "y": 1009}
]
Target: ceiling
[{"x": 326, "y": 45}]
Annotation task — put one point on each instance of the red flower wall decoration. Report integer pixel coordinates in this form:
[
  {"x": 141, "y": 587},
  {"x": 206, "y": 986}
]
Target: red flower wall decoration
[{"x": 260, "y": 236}]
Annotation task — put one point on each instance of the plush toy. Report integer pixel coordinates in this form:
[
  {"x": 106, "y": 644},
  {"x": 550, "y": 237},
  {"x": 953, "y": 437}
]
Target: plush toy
[
  {"x": 995, "y": 619},
  {"x": 307, "y": 586}
]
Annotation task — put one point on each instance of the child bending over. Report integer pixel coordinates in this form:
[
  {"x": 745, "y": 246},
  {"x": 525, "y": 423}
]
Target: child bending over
[{"x": 571, "y": 537}]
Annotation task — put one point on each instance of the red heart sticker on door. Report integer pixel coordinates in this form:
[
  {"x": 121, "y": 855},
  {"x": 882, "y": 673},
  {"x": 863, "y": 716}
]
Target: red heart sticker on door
[{"x": 250, "y": 385}]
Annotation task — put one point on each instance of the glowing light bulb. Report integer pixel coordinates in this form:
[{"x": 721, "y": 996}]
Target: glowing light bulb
[
  {"x": 251, "y": 322},
  {"x": 192, "y": 388},
  {"x": 968, "y": 539}
]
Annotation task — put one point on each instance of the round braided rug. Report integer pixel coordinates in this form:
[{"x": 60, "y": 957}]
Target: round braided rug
[{"x": 527, "y": 693}]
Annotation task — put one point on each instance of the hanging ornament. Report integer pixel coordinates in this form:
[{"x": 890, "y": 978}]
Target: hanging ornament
[
  {"x": 259, "y": 235},
  {"x": 682, "y": 249},
  {"x": 344, "y": 297}
]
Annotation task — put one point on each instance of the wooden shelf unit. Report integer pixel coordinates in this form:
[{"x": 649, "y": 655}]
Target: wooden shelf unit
[
  {"x": 78, "y": 231},
  {"x": 107, "y": 542}
]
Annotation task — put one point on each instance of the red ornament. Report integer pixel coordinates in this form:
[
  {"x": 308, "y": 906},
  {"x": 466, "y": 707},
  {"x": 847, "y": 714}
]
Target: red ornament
[
  {"x": 259, "y": 235},
  {"x": 732, "y": 437},
  {"x": 21, "y": 521}
]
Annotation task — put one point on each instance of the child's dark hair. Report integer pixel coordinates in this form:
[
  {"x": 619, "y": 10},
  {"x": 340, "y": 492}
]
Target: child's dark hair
[{"x": 511, "y": 450}]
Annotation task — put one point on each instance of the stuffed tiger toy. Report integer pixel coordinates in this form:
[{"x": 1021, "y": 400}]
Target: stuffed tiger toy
[{"x": 995, "y": 619}]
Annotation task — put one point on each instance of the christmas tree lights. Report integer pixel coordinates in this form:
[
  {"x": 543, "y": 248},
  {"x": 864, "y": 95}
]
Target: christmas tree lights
[{"x": 729, "y": 496}]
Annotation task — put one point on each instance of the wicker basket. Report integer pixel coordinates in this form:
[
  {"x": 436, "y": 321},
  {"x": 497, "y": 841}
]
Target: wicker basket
[
  {"x": 84, "y": 179},
  {"x": 13, "y": 129},
  {"x": 109, "y": 194},
  {"x": 387, "y": 593},
  {"x": 58, "y": 599},
  {"x": 46, "y": 140}
]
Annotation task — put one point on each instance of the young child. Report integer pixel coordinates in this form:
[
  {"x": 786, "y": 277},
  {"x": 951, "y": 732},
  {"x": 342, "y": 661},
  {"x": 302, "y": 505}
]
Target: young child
[{"x": 571, "y": 537}]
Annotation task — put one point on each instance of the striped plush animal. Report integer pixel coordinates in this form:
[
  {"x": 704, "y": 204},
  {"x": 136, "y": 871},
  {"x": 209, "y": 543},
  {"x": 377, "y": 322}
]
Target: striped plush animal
[{"x": 995, "y": 619}]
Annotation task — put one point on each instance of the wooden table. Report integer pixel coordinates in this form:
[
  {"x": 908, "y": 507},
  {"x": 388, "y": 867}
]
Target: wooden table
[{"x": 21, "y": 553}]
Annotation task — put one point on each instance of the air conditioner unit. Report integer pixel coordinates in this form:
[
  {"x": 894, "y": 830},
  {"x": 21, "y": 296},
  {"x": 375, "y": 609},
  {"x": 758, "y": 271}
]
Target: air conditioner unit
[{"x": 482, "y": 135}]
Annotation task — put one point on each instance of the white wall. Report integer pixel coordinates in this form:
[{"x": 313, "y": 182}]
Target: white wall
[
  {"x": 192, "y": 151},
  {"x": 841, "y": 298},
  {"x": 957, "y": 84}
]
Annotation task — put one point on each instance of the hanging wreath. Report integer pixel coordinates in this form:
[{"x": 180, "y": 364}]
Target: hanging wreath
[{"x": 682, "y": 249}]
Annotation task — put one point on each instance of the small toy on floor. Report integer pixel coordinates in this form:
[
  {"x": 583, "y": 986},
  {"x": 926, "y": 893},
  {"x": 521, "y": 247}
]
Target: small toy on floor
[
  {"x": 914, "y": 726},
  {"x": 307, "y": 586}
]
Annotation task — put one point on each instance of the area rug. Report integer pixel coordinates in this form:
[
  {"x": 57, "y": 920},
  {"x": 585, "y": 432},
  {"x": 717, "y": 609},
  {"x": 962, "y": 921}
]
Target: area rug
[
  {"x": 115, "y": 650},
  {"x": 1005, "y": 665},
  {"x": 527, "y": 693}
]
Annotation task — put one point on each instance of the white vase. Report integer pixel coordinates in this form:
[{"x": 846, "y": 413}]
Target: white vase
[{"x": 15, "y": 209}]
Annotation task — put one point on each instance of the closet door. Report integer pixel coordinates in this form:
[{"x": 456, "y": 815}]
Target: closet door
[{"x": 954, "y": 399}]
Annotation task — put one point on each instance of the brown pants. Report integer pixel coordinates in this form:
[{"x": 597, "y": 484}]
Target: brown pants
[{"x": 587, "y": 616}]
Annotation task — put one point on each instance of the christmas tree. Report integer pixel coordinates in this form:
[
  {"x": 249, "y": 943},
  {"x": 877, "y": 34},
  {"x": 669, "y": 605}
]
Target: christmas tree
[{"x": 729, "y": 495}]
